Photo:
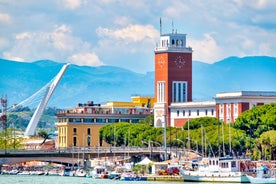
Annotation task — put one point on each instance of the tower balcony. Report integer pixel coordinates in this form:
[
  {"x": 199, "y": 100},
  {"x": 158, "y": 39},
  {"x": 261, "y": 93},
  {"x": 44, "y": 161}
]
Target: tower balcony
[{"x": 173, "y": 49}]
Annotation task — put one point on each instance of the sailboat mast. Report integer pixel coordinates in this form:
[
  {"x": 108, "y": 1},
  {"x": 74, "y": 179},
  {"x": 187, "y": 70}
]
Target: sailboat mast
[
  {"x": 223, "y": 144},
  {"x": 202, "y": 140},
  {"x": 218, "y": 136},
  {"x": 230, "y": 141}
]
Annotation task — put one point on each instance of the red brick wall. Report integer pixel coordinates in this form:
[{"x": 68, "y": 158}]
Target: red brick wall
[{"x": 179, "y": 123}]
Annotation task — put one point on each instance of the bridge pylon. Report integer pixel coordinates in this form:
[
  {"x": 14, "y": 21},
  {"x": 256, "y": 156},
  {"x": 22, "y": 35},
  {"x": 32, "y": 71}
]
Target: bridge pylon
[{"x": 30, "y": 130}]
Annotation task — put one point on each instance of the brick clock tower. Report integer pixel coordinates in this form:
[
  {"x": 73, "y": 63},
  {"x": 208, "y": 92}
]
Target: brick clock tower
[{"x": 173, "y": 75}]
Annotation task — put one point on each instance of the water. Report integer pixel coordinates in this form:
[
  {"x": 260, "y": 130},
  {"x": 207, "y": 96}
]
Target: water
[{"x": 19, "y": 179}]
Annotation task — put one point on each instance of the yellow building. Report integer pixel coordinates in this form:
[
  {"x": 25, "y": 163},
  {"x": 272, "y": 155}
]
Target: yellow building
[{"x": 80, "y": 126}]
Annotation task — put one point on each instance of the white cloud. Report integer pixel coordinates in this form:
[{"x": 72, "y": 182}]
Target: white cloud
[
  {"x": 206, "y": 50},
  {"x": 56, "y": 45},
  {"x": 5, "y": 18},
  {"x": 131, "y": 33},
  {"x": 88, "y": 59},
  {"x": 176, "y": 9},
  {"x": 72, "y": 4},
  {"x": 124, "y": 33},
  {"x": 8, "y": 55},
  {"x": 122, "y": 21}
]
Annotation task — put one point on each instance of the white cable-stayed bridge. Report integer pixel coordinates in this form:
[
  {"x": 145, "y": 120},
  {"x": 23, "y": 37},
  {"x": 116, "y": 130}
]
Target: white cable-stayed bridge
[{"x": 40, "y": 99}]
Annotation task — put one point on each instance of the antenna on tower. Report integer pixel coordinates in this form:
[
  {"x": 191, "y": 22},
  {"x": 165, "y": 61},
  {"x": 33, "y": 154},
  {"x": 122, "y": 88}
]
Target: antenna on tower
[
  {"x": 172, "y": 27},
  {"x": 160, "y": 26}
]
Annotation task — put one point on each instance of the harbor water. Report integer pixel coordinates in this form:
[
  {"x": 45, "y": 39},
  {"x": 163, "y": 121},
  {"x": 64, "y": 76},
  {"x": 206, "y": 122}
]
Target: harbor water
[{"x": 17, "y": 179}]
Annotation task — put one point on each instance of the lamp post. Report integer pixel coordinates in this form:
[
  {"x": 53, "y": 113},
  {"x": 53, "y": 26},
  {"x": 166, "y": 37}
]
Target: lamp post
[{"x": 165, "y": 138}]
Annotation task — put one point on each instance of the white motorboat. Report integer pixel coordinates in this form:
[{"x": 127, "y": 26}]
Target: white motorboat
[
  {"x": 218, "y": 170},
  {"x": 98, "y": 171},
  {"x": 263, "y": 175},
  {"x": 80, "y": 172}
]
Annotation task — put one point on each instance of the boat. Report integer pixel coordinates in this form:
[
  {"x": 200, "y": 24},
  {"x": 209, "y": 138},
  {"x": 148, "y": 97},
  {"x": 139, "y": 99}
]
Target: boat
[
  {"x": 80, "y": 172},
  {"x": 13, "y": 172},
  {"x": 38, "y": 173},
  {"x": 263, "y": 175},
  {"x": 23, "y": 173},
  {"x": 98, "y": 172},
  {"x": 224, "y": 169},
  {"x": 67, "y": 171},
  {"x": 116, "y": 174},
  {"x": 54, "y": 172},
  {"x": 130, "y": 176}
]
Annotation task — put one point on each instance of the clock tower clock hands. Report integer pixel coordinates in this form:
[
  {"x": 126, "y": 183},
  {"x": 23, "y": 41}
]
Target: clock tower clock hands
[{"x": 179, "y": 61}]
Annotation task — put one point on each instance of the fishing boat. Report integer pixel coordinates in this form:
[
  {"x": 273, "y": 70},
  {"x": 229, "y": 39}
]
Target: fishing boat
[
  {"x": 226, "y": 169},
  {"x": 263, "y": 175}
]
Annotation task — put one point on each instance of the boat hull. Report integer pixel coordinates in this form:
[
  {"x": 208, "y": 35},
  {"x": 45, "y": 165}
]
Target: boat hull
[
  {"x": 261, "y": 180},
  {"x": 134, "y": 179},
  {"x": 215, "y": 177}
]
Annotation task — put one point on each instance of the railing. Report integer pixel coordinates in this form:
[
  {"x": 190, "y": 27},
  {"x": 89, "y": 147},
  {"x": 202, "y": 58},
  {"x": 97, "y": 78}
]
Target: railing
[{"x": 84, "y": 150}]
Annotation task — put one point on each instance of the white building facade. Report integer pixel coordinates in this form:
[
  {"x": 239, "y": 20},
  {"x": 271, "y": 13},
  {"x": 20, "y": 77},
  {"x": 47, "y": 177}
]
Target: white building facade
[{"x": 226, "y": 106}]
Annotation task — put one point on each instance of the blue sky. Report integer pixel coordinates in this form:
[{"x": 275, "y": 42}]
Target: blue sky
[{"x": 124, "y": 33}]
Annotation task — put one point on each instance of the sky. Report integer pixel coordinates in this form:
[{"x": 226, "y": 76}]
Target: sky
[{"x": 124, "y": 33}]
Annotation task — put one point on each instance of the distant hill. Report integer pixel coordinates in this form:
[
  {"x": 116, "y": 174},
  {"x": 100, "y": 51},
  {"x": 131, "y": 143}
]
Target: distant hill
[
  {"x": 256, "y": 73},
  {"x": 20, "y": 80},
  {"x": 79, "y": 84}
]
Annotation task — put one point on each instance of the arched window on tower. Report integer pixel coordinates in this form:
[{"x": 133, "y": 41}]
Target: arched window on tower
[
  {"x": 181, "y": 43},
  {"x": 173, "y": 42}
]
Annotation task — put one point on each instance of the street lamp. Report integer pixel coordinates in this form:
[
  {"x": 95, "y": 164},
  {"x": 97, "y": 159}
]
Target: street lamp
[{"x": 165, "y": 138}]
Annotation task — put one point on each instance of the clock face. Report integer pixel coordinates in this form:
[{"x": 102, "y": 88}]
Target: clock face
[
  {"x": 179, "y": 62},
  {"x": 161, "y": 62}
]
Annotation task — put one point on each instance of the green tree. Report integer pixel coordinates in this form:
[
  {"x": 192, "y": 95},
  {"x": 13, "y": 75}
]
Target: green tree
[
  {"x": 9, "y": 140},
  {"x": 149, "y": 120},
  {"x": 267, "y": 145},
  {"x": 42, "y": 133},
  {"x": 196, "y": 123},
  {"x": 257, "y": 120}
]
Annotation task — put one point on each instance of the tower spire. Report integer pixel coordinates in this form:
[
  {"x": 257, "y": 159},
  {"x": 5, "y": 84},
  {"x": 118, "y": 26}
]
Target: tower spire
[{"x": 160, "y": 26}]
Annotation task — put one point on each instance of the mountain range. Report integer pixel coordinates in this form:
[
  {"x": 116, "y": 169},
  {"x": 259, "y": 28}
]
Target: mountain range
[{"x": 19, "y": 80}]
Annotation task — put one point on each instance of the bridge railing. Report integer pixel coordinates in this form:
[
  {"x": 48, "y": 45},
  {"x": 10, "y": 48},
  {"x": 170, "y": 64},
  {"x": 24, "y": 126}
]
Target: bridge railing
[{"x": 83, "y": 150}]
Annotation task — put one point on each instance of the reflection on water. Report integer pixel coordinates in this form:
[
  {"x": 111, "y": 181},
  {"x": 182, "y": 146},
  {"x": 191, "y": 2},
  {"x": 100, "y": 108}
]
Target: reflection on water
[{"x": 15, "y": 179}]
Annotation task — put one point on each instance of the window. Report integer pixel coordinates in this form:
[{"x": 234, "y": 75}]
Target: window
[
  {"x": 174, "y": 92},
  {"x": 206, "y": 112},
  {"x": 189, "y": 112},
  {"x": 88, "y": 131},
  {"x": 197, "y": 112},
  {"x": 183, "y": 112},
  {"x": 75, "y": 131},
  {"x": 236, "y": 108},
  {"x": 177, "y": 112},
  {"x": 161, "y": 92},
  {"x": 88, "y": 140},
  {"x": 75, "y": 141},
  {"x": 212, "y": 111},
  {"x": 179, "y": 91}
]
